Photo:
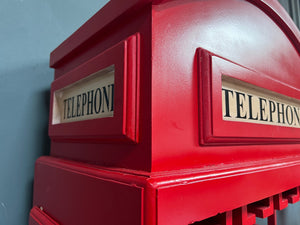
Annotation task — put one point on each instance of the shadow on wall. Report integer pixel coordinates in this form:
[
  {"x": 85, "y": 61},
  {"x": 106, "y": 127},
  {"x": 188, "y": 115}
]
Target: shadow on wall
[
  {"x": 45, "y": 145},
  {"x": 25, "y": 94}
]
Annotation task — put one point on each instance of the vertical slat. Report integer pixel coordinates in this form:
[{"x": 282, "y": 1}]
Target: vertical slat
[
  {"x": 286, "y": 5},
  {"x": 272, "y": 220},
  {"x": 280, "y": 202},
  {"x": 241, "y": 216},
  {"x": 292, "y": 2},
  {"x": 293, "y": 8},
  {"x": 290, "y": 8},
  {"x": 295, "y": 12},
  {"x": 298, "y": 12}
]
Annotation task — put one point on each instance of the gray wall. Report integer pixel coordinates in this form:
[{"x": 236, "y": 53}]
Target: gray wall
[
  {"x": 293, "y": 8},
  {"x": 29, "y": 31}
]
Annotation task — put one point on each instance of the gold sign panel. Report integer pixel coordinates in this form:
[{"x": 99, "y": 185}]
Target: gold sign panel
[
  {"x": 248, "y": 103},
  {"x": 89, "y": 98}
]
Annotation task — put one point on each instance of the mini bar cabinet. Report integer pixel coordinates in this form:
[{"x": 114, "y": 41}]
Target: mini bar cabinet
[{"x": 173, "y": 112}]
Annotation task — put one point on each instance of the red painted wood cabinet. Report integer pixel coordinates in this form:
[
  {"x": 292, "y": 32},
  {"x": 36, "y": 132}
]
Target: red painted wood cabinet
[{"x": 173, "y": 112}]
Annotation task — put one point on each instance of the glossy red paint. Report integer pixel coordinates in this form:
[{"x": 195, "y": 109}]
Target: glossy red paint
[
  {"x": 38, "y": 217},
  {"x": 167, "y": 156},
  {"x": 241, "y": 41},
  {"x": 168, "y": 114},
  {"x": 79, "y": 193},
  {"x": 124, "y": 124},
  {"x": 217, "y": 131}
]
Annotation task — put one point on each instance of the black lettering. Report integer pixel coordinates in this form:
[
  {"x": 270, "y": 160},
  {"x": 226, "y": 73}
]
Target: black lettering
[
  {"x": 240, "y": 105},
  {"x": 65, "y": 108},
  {"x": 73, "y": 105},
  {"x": 289, "y": 115},
  {"x": 262, "y": 109},
  {"x": 227, "y": 109},
  {"x": 112, "y": 97},
  {"x": 83, "y": 103},
  {"x": 90, "y": 102},
  {"x": 69, "y": 111},
  {"x": 272, "y": 107},
  {"x": 297, "y": 115},
  {"x": 78, "y": 106},
  {"x": 280, "y": 113},
  {"x": 97, "y": 109},
  {"x": 250, "y": 109},
  {"x": 105, "y": 99}
]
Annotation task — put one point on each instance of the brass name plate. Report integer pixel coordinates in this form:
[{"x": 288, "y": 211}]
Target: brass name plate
[
  {"x": 88, "y": 98},
  {"x": 244, "y": 102}
]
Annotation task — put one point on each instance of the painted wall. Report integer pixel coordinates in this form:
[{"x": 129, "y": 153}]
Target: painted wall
[
  {"x": 293, "y": 8},
  {"x": 29, "y": 31}
]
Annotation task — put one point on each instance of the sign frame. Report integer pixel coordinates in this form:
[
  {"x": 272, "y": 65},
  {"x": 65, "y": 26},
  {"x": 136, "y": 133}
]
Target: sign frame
[
  {"x": 123, "y": 126},
  {"x": 216, "y": 131}
]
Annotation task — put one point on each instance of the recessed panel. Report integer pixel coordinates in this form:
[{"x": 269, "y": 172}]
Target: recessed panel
[
  {"x": 88, "y": 98},
  {"x": 98, "y": 100},
  {"x": 78, "y": 194},
  {"x": 239, "y": 105}
]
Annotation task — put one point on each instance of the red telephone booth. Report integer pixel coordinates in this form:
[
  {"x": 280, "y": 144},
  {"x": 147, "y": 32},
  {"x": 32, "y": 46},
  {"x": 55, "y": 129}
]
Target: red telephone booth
[{"x": 173, "y": 112}]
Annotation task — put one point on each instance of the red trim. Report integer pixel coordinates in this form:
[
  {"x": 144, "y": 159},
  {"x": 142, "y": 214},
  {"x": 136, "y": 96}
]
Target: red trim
[
  {"x": 122, "y": 126},
  {"x": 39, "y": 217},
  {"x": 114, "y": 10},
  {"x": 191, "y": 195},
  {"x": 217, "y": 131}
]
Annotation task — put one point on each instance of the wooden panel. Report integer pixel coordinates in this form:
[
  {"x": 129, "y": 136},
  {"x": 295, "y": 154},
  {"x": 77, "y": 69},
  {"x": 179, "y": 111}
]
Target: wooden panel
[
  {"x": 39, "y": 217},
  {"x": 200, "y": 196},
  {"x": 73, "y": 194},
  {"x": 81, "y": 91},
  {"x": 270, "y": 115}
]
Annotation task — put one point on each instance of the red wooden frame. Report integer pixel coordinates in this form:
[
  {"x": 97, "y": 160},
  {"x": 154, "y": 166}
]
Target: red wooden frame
[
  {"x": 215, "y": 130},
  {"x": 123, "y": 125},
  {"x": 38, "y": 217},
  {"x": 166, "y": 198},
  {"x": 115, "y": 8},
  {"x": 168, "y": 178}
]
